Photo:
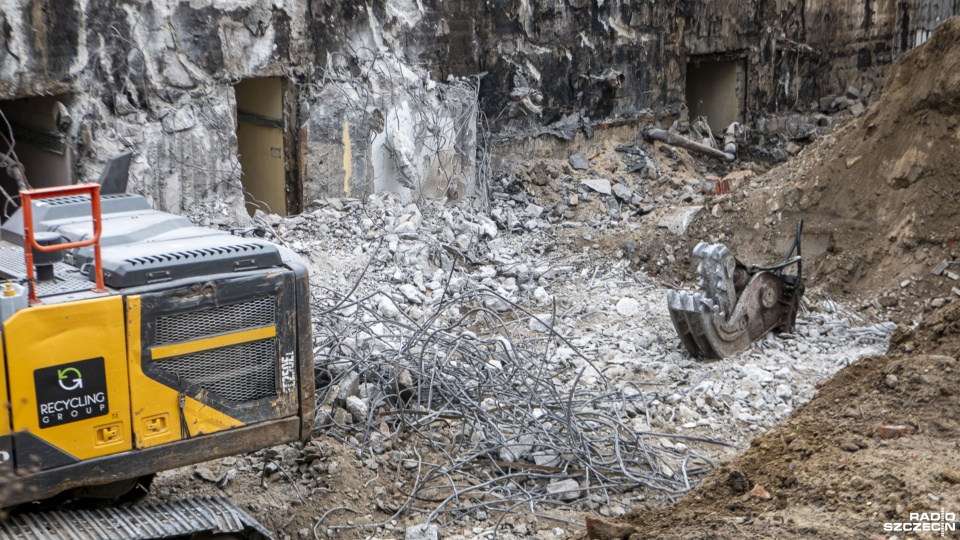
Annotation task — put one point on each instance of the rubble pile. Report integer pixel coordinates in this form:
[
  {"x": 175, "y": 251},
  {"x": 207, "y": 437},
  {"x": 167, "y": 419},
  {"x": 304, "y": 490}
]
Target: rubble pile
[
  {"x": 509, "y": 404},
  {"x": 490, "y": 359},
  {"x": 876, "y": 446}
]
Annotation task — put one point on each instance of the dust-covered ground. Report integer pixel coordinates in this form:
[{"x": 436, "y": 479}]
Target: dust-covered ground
[
  {"x": 508, "y": 367},
  {"x": 830, "y": 470}
]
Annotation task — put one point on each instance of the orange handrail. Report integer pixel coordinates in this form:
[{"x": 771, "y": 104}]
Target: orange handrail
[{"x": 27, "y": 197}]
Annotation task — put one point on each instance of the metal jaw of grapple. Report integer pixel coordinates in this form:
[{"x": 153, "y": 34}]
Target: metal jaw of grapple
[{"x": 739, "y": 304}]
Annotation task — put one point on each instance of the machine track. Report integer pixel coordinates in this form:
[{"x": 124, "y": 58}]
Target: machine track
[{"x": 188, "y": 518}]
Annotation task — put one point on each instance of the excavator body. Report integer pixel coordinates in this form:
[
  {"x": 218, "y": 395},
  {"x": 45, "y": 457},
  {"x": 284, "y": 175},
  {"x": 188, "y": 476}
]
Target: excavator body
[{"x": 135, "y": 342}]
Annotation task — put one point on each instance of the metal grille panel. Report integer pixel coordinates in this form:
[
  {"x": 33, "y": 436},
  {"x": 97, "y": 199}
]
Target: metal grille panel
[
  {"x": 232, "y": 318},
  {"x": 238, "y": 373},
  {"x": 69, "y": 280}
]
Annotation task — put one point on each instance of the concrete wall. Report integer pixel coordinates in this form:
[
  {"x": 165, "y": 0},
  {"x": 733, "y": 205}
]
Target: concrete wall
[
  {"x": 157, "y": 78},
  {"x": 383, "y": 93}
]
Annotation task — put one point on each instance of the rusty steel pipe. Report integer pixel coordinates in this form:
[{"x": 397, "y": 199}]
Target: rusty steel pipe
[{"x": 654, "y": 134}]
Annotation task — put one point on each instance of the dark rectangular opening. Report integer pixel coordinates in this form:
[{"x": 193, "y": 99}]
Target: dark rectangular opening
[
  {"x": 715, "y": 90},
  {"x": 34, "y": 129}
]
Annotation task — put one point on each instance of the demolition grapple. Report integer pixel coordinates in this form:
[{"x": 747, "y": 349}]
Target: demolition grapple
[{"x": 739, "y": 303}]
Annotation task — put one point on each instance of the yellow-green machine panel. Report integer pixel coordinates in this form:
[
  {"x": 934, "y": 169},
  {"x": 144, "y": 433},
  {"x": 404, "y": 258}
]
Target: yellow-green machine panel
[{"x": 67, "y": 372}]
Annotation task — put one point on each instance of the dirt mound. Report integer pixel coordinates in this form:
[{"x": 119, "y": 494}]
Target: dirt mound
[
  {"x": 880, "y": 196},
  {"x": 827, "y": 473}
]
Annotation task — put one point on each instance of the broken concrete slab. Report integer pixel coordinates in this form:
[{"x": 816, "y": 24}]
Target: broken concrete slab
[
  {"x": 940, "y": 267},
  {"x": 600, "y": 185},
  {"x": 565, "y": 490},
  {"x": 622, "y": 192},
  {"x": 578, "y": 162},
  {"x": 678, "y": 220}
]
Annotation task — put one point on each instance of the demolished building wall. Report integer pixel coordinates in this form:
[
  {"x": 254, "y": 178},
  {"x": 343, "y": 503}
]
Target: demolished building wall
[
  {"x": 796, "y": 53},
  {"x": 152, "y": 78},
  {"x": 384, "y": 95},
  {"x": 157, "y": 78}
]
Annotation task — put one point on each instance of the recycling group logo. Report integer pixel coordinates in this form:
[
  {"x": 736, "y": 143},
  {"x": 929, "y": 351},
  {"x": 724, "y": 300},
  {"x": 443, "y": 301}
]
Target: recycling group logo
[
  {"x": 63, "y": 375},
  {"x": 71, "y": 392}
]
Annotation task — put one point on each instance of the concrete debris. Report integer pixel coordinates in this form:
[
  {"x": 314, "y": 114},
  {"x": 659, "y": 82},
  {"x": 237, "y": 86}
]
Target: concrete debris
[
  {"x": 578, "y": 162},
  {"x": 628, "y": 307},
  {"x": 506, "y": 329},
  {"x": 206, "y": 474},
  {"x": 679, "y": 219},
  {"x": 415, "y": 271},
  {"x": 349, "y": 387},
  {"x": 623, "y": 192},
  {"x": 565, "y": 490},
  {"x": 940, "y": 267},
  {"x": 422, "y": 532},
  {"x": 358, "y": 408},
  {"x": 411, "y": 293},
  {"x": 600, "y": 185}
]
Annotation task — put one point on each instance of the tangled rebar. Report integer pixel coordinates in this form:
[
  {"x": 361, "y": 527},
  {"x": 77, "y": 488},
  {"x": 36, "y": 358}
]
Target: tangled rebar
[{"x": 491, "y": 417}]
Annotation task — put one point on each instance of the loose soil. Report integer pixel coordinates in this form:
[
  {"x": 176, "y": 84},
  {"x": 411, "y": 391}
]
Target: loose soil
[{"x": 828, "y": 472}]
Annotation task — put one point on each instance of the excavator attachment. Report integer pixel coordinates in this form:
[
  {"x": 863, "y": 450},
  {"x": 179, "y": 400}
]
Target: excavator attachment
[{"x": 738, "y": 304}]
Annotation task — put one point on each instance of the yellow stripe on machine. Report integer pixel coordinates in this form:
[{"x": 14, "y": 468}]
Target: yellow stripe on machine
[
  {"x": 156, "y": 410},
  {"x": 216, "y": 342}
]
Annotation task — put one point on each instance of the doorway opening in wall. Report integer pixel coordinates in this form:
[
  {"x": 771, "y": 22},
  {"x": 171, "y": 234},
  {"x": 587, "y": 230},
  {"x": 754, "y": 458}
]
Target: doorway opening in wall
[
  {"x": 716, "y": 89},
  {"x": 33, "y": 147},
  {"x": 265, "y": 146}
]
